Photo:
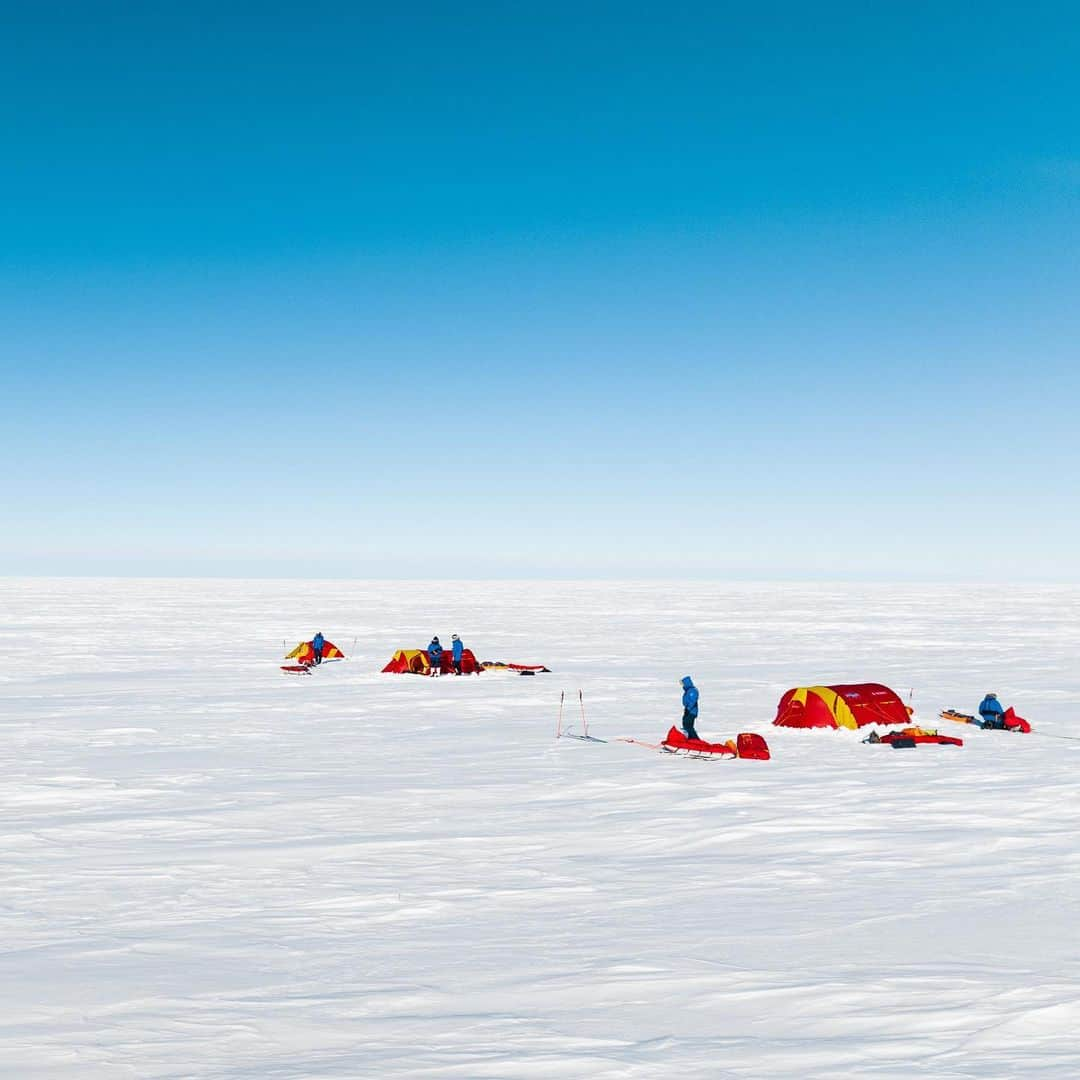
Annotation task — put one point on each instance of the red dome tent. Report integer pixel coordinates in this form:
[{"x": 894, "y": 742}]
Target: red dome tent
[
  {"x": 304, "y": 653},
  {"x": 851, "y": 706},
  {"x": 418, "y": 662}
]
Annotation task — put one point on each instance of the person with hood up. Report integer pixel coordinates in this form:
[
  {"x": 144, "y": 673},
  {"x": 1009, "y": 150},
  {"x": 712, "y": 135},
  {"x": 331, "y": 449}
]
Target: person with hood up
[
  {"x": 458, "y": 647},
  {"x": 435, "y": 651},
  {"x": 690, "y": 707},
  {"x": 991, "y": 712},
  {"x": 317, "y": 643}
]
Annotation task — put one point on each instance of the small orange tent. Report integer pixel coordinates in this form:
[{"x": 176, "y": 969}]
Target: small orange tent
[
  {"x": 841, "y": 706},
  {"x": 304, "y": 653}
]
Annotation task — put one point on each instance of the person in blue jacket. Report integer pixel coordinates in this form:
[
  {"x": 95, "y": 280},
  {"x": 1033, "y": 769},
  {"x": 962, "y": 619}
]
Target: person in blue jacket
[
  {"x": 690, "y": 707},
  {"x": 317, "y": 643},
  {"x": 991, "y": 712},
  {"x": 459, "y": 648},
  {"x": 435, "y": 651}
]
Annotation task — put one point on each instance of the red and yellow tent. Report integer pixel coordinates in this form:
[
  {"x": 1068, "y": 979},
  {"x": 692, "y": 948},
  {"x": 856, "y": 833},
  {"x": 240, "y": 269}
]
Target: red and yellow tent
[
  {"x": 304, "y": 653},
  {"x": 851, "y": 706},
  {"x": 409, "y": 660},
  {"x": 417, "y": 662}
]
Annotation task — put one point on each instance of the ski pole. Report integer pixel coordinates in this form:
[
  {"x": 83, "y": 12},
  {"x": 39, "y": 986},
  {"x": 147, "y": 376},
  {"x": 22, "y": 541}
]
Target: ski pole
[
  {"x": 584, "y": 722},
  {"x": 558, "y": 729}
]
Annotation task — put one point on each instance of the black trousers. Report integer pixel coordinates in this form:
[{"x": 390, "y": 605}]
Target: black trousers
[
  {"x": 457, "y": 667},
  {"x": 688, "y": 720}
]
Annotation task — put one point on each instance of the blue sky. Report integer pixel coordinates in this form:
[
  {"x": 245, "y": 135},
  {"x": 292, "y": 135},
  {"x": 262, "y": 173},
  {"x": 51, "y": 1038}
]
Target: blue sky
[{"x": 769, "y": 290}]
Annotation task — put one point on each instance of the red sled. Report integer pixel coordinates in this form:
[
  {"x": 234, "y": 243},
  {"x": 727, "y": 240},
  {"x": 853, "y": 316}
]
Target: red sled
[
  {"x": 898, "y": 740},
  {"x": 677, "y": 743},
  {"x": 297, "y": 669}
]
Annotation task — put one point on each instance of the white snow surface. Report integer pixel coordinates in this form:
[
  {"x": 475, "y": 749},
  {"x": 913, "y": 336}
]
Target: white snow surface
[{"x": 211, "y": 868}]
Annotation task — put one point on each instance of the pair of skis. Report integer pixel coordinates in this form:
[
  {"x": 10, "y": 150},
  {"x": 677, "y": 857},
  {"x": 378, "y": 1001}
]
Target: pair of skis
[{"x": 560, "y": 734}]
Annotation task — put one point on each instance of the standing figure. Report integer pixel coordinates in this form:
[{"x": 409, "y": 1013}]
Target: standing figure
[
  {"x": 991, "y": 712},
  {"x": 317, "y": 643},
  {"x": 690, "y": 707},
  {"x": 459, "y": 649},
  {"x": 435, "y": 651}
]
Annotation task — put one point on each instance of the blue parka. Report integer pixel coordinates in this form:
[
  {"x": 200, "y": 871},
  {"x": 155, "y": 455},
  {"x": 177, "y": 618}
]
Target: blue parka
[
  {"x": 990, "y": 707},
  {"x": 459, "y": 648},
  {"x": 690, "y": 696},
  {"x": 435, "y": 650},
  {"x": 317, "y": 643}
]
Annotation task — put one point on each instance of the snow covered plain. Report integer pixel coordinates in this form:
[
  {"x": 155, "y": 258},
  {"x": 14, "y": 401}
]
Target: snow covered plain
[{"x": 214, "y": 869}]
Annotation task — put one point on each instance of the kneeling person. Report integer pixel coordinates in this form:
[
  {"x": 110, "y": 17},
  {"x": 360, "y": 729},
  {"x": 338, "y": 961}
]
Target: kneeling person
[{"x": 991, "y": 712}]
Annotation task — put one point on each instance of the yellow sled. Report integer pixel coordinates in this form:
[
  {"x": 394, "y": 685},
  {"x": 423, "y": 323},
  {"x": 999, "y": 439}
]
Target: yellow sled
[{"x": 959, "y": 717}]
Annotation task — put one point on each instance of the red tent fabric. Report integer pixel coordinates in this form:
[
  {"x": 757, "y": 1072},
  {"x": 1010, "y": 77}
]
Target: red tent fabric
[
  {"x": 418, "y": 662},
  {"x": 406, "y": 660},
  {"x": 304, "y": 653},
  {"x": 849, "y": 706},
  {"x": 469, "y": 665}
]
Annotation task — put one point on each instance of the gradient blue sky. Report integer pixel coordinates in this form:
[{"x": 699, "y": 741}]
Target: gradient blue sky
[{"x": 734, "y": 290}]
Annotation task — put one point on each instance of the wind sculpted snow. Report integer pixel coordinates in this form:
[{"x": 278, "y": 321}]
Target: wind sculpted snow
[{"x": 214, "y": 869}]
